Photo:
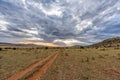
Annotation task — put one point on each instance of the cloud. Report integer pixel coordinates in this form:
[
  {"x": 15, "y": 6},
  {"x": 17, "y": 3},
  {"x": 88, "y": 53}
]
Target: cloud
[
  {"x": 3, "y": 25},
  {"x": 40, "y": 43},
  {"x": 68, "y": 42},
  {"x": 63, "y": 22}
]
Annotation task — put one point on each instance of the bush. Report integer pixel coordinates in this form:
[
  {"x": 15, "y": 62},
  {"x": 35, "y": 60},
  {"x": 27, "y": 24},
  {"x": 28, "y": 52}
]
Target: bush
[
  {"x": 14, "y": 48},
  {"x": 46, "y": 47},
  {"x": 7, "y": 48},
  {"x": 82, "y": 47},
  {"x": 0, "y": 49}
]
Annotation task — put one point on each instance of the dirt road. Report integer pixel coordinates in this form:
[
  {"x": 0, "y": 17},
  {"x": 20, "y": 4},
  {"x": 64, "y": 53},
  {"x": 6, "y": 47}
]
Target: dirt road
[
  {"x": 48, "y": 61},
  {"x": 42, "y": 70}
]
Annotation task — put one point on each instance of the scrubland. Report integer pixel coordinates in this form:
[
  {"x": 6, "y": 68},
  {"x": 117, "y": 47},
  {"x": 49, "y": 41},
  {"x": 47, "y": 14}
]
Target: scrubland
[{"x": 71, "y": 64}]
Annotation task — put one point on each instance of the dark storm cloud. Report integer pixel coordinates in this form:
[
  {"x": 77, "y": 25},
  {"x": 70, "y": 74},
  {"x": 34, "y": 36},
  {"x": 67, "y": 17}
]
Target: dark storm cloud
[{"x": 65, "y": 22}]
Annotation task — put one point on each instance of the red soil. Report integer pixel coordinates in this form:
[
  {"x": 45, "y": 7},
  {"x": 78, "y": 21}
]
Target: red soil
[
  {"x": 114, "y": 73},
  {"x": 20, "y": 74},
  {"x": 42, "y": 70}
]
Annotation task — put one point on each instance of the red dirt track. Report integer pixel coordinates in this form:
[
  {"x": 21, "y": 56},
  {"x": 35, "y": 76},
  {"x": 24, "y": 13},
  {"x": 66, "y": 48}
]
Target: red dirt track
[
  {"x": 36, "y": 75},
  {"x": 42, "y": 70}
]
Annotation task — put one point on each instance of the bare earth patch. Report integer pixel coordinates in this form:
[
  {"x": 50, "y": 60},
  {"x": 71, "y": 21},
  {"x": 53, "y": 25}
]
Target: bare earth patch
[
  {"x": 42, "y": 70},
  {"x": 112, "y": 73},
  {"x": 20, "y": 74}
]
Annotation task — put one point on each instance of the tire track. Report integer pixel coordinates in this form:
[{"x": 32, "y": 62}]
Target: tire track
[
  {"x": 20, "y": 74},
  {"x": 36, "y": 75}
]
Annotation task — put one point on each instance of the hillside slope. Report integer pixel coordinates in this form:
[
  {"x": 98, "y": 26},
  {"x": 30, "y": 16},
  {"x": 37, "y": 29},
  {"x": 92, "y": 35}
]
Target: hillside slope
[{"x": 111, "y": 42}]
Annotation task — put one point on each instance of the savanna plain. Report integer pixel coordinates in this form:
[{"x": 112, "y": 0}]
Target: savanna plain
[{"x": 70, "y": 64}]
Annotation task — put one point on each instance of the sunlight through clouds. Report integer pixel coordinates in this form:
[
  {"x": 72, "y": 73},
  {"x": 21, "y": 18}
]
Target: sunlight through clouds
[{"x": 61, "y": 22}]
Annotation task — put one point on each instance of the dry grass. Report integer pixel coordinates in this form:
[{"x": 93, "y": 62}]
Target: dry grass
[
  {"x": 86, "y": 64},
  {"x": 14, "y": 60},
  {"x": 71, "y": 64}
]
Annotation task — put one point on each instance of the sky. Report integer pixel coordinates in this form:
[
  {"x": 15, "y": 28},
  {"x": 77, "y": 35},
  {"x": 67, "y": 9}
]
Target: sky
[{"x": 59, "y": 22}]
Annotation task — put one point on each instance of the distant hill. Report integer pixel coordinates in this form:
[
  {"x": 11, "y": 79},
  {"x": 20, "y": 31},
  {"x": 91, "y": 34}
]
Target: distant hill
[
  {"x": 111, "y": 42},
  {"x": 12, "y": 44},
  {"x": 7, "y": 44},
  {"x": 16, "y": 45}
]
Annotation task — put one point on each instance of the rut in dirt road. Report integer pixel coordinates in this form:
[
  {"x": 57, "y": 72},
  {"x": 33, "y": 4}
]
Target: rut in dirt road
[
  {"x": 20, "y": 74},
  {"x": 42, "y": 70}
]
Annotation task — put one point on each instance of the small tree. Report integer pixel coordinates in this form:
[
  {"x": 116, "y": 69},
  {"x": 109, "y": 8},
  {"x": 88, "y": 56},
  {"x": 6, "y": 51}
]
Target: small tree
[
  {"x": 82, "y": 47},
  {"x": 0, "y": 49},
  {"x": 46, "y": 47},
  {"x": 14, "y": 48}
]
